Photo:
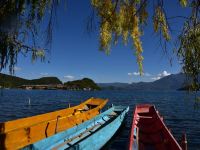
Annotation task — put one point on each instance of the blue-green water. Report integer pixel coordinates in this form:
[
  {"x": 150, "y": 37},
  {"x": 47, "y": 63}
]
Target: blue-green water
[{"x": 177, "y": 108}]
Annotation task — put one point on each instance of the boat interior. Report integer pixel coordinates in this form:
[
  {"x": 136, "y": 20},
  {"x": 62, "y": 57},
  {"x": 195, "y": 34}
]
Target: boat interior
[{"x": 152, "y": 134}]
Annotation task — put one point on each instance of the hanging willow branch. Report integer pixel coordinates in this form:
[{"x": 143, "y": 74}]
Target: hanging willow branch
[
  {"x": 20, "y": 29},
  {"x": 189, "y": 49},
  {"x": 123, "y": 19}
]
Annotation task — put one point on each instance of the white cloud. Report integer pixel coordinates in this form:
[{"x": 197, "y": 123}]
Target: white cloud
[
  {"x": 137, "y": 74},
  {"x": 161, "y": 75},
  {"x": 17, "y": 68},
  {"x": 165, "y": 73},
  {"x": 69, "y": 77}
]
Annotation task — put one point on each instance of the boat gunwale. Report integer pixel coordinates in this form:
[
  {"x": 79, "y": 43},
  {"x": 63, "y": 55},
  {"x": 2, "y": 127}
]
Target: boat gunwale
[
  {"x": 133, "y": 126},
  {"x": 166, "y": 129}
]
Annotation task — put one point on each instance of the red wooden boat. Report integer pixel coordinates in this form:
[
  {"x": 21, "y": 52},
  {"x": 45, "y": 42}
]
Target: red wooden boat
[{"x": 148, "y": 131}]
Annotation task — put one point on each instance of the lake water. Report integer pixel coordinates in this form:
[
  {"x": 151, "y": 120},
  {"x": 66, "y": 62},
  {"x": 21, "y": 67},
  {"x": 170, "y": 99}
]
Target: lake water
[{"x": 178, "y": 108}]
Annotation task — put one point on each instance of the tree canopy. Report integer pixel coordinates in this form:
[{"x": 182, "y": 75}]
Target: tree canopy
[{"x": 20, "y": 23}]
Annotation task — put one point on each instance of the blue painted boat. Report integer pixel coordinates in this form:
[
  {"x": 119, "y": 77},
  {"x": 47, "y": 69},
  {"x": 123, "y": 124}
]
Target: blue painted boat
[{"x": 92, "y": 134}]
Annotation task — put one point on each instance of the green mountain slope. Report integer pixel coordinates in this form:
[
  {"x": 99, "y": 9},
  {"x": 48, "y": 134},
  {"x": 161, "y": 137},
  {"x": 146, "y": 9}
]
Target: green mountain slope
[{"x": 13, "y": 81}]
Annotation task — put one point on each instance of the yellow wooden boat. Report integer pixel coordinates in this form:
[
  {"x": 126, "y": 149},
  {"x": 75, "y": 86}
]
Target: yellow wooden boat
[{"x": 19, "y": 133}]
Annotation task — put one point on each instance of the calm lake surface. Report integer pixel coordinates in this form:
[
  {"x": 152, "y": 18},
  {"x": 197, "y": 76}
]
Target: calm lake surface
[{"x": 178, "y": 108}]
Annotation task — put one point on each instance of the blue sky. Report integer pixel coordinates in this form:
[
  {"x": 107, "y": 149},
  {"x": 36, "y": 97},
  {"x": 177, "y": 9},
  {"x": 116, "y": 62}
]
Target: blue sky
[{"x": 75, "y": 53}]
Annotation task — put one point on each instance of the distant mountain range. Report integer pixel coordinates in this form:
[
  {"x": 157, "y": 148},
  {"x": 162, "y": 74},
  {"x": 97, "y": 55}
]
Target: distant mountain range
[{"x": 171, "y": 82}]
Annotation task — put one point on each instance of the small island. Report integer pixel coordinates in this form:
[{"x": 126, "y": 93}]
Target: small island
[
  {"x": 84, "y": 84},
  {"x": 46, "y": 83}
]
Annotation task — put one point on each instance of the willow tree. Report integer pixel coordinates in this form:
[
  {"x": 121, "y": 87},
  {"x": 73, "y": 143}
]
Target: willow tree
[
  {"x": 189, "y": 46},
  {"x": 118, "y": 19}
]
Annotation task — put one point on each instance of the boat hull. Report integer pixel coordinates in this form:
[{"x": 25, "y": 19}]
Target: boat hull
[
  {"x": 92, "y": 134},
  {"x": 148, "y": 131},
  {"x": 22, "y": 132}
]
